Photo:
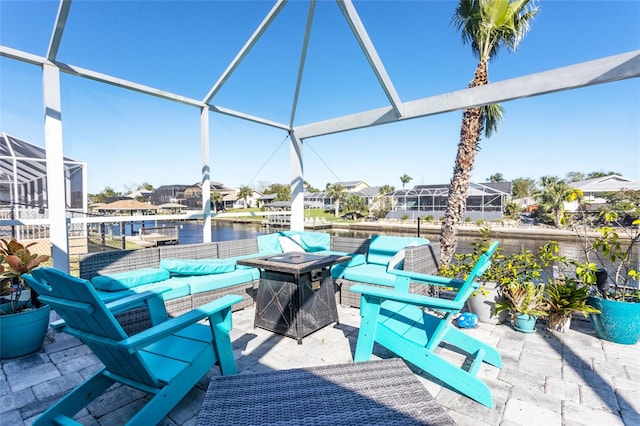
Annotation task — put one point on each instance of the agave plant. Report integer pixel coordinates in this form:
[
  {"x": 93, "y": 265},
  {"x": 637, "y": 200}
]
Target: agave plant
[{"x": 16, "y": 259}]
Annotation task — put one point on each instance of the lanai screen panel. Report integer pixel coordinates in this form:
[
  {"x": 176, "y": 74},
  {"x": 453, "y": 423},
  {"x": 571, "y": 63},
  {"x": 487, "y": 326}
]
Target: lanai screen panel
[{"x": 23, "y": 176}]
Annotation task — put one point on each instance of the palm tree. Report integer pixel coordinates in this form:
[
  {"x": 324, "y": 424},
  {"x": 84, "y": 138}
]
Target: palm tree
[
  {"x": 385, "y": 189},
  {"x": 335, "y": 192},
  {"x": 216, "y": 199},
  {"x": 405, "y": 178},
  {"x": 553, "y": 194},
  {"x": 488, "y": 25},
  {"x": 245, "y": 192}
]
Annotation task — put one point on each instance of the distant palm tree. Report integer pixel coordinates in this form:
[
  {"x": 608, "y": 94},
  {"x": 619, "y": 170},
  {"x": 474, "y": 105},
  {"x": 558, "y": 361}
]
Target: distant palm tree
[
  {"x": 386, "y": 189},
  {"x": 335, "y": 192},
  {"x": 245, "y": 192},
  {"x": 553, "y": 194},
  {"x": 405, "y": 178},
  {"x": 216, "y": 199},
  {"x": 488, "y": 25}
]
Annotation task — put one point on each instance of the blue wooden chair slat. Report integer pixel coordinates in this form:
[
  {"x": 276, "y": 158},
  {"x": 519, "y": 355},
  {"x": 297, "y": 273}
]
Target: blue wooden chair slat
[
  {"x": 414, "y": 326},
  {"x": 166, "y": 360}
]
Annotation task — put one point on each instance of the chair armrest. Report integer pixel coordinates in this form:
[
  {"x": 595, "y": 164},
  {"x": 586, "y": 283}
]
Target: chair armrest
[
  {"x": 409, "y": 298},
  {"x": 120, "y": 305},
  {"x": 428, "y": 279},
  {"x": 166, "y": 328},
  {"x": 135, "y": 300}
]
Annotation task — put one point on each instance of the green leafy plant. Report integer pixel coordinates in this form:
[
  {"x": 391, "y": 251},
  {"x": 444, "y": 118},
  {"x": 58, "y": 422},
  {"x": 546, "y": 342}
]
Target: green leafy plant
[
  {"x": 609, "y": 248},
  {"x": 16, "y": 259},
  {"x": 564, "y": 299},
  {"x": 522, "y": 298}
]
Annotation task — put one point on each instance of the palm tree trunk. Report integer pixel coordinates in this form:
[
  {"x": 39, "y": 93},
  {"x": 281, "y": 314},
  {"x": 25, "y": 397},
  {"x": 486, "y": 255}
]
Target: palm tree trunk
[{"x": 470, "y": 132}]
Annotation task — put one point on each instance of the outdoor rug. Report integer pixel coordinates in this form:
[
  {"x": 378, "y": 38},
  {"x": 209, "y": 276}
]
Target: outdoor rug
[{"x": 381, "y": 392}]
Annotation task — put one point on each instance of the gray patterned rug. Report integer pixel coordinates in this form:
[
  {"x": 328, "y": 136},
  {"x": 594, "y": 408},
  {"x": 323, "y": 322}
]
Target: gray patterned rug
[{"x": 382, "y": 392}]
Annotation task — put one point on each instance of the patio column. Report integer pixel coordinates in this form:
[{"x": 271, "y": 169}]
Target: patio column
[
  {"x": 297, "y": 187},
  {"x": 58, "y": 230},
  {"x": 206, "y": 175}
]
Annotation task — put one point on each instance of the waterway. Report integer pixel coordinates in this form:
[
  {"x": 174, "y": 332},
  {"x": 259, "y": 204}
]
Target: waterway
[{"x": 190, "y": 232}]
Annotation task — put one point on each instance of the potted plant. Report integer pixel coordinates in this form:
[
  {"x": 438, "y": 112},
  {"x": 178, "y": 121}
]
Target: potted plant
[
  {"x": 525, "y": 302},
  {"x": 619, "y": 303},
  {"x": 564, "y": 298},
  {"x": 23, "y": 320}
]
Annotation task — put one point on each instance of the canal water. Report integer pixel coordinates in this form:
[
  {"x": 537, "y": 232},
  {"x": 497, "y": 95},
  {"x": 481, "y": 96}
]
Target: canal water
[{"x": 190, "y": 232}]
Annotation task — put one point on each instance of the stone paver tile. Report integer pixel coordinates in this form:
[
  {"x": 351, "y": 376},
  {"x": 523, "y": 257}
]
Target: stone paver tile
[
  {"x": 620, "y": 383},
  {"x": 577, "y": 361},
  {"x": 633, "y": 372},
  {"x": 121, "y": 414},
  {"x": 530, "y": 413},
  {"x": 514, "y": 376},
  {"x": 79, "y": 363},
  {"x": 16, "y": 400},
  {"x": 578, "y": 415},
  {"x": 585, "y": 376},
  {"x": 31, "y": 377},
  {"x": 532, "y": 396},
  {"x": 562, "y": 389},
  {"x": 629, "y": 399},
  {"x": 64, "y": 356},
  {"x": 537, "y": 363},
  {"x": 613, "y": 369},
  {"x": 57, "y": 386},
  {"x": 464, "y": 420},
  {"x": 4, "y": 387},
  {"x": 114, "y": 398},
  {"x": 188, "y": 407},
  {"x": 16, "y": 366},
  {"x": 13, "y": 418},
  {"x": 601, "y": 398}
]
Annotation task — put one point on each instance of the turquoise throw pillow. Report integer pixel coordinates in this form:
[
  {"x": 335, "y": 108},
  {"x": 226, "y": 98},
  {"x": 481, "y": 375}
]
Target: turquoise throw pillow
[
  {"x": 129, "y": 279},
  {"x": 198, "y": 266}
]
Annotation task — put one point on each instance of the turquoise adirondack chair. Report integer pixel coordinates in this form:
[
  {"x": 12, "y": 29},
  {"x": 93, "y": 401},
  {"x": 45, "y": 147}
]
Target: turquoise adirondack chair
[
  {"x": 413, "y": 326},
  {"x": 165, "y": 361}
]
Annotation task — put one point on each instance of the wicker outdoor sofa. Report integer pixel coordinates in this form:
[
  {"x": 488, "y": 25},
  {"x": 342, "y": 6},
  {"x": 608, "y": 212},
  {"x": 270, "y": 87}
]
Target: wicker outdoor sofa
[{"x": 421, "y": 258}]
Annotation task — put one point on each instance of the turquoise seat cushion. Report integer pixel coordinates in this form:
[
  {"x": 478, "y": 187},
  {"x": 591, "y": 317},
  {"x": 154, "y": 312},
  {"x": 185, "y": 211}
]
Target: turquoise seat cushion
[
  {"x": 203, "y": 283},
  {"x": 198, "y": 266},
  {"x": 129, "y": 279},
  {"x": 311, "y": 242},
  {"x": 370, "y": 274},
  {"x": 337, "y": 270},
  {"x": 177, "y": 289},
  {"x": 383, "y": 247},
  {"x": 269, "y": 244}
]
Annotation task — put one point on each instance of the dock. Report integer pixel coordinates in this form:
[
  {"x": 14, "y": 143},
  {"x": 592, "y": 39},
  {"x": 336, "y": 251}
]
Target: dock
[{"x": 158, "y": 236}]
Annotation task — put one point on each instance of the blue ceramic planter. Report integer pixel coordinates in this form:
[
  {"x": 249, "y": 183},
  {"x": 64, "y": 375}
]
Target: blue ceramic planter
[
  {"x": 525, "y": 323},
  {"x": 618, "y": 322},
  {"x": 23, "y": 333}
]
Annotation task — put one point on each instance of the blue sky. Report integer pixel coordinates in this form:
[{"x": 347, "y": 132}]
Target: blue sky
[{"x": 182, "y": 47}]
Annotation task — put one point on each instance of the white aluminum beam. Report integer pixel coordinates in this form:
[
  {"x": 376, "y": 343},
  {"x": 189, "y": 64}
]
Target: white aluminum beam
[
  {"x": 275, "y": 10},
  {"x": 369, "y": 50},
  {"x": 297, "y": 184},
  {"x": 599, "y": 71},
  {"x": 206, "y": 175},
  {"x": 58, "y": 232},
  {"x": 303, "y": 58},
  {"x": 248, "y": 117},
  {"x": 58, "y": 29}
]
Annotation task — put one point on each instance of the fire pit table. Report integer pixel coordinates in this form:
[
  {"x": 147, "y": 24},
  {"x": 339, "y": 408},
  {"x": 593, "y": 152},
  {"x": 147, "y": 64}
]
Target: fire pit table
[{"x": 296, "y": 295}]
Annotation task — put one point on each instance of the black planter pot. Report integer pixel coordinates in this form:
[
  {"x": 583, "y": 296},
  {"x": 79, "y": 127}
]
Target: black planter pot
[{"x": 601, "y": 280}]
